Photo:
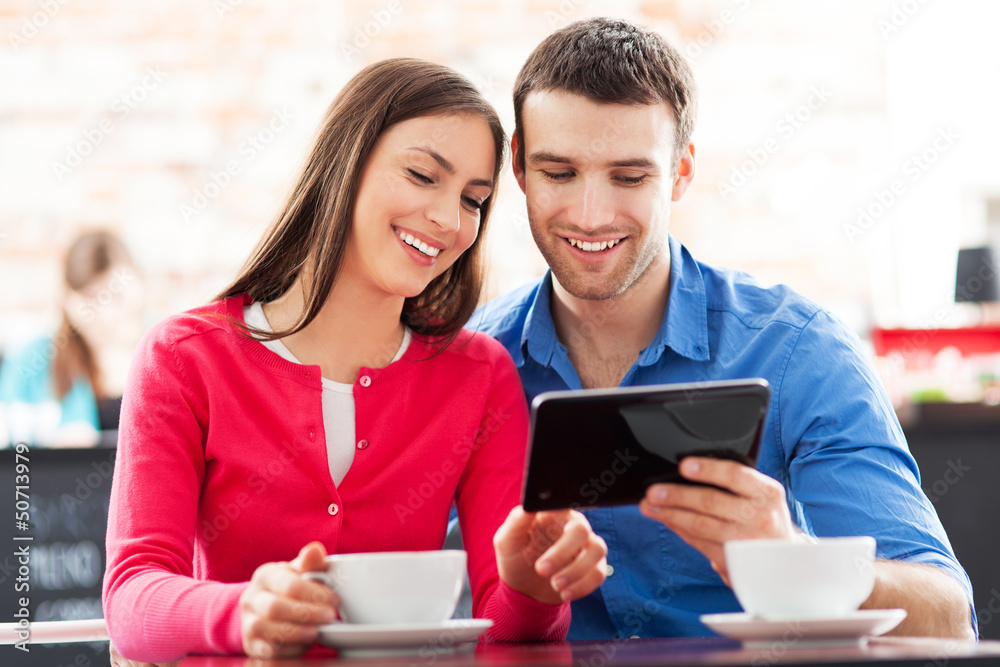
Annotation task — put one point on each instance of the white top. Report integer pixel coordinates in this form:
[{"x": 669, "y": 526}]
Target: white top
[{"x": 338, "y": 399}]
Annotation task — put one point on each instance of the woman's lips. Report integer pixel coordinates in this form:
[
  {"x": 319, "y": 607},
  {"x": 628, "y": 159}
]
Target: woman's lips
[{"x": 426, "y": 246}]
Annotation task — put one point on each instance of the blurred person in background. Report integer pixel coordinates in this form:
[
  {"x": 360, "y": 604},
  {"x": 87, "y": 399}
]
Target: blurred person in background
[{"x": 63, "y": 389}]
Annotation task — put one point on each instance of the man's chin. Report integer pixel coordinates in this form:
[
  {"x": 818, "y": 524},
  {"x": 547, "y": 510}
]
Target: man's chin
[
  {"x": 588, "y": 288},
  {"x": 595, "y": 295}
]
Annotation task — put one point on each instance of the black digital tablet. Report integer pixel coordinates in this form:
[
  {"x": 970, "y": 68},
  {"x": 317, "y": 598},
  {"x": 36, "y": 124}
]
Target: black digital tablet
[{"x": 601, "y": 447}]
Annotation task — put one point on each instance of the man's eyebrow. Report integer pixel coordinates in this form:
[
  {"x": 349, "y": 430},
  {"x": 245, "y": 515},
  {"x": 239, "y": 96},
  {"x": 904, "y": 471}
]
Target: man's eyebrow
[
  {"x": 640, "y": 162},
  {"x": 542, "y": 156},
  {"x": 448, "y": 166}
]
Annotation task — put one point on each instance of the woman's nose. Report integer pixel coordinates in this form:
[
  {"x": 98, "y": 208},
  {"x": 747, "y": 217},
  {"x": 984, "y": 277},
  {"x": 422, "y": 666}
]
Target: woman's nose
[{"x": 446, "y": 213}]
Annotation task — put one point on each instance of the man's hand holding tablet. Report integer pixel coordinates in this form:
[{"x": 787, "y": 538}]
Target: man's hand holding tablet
[{"x": 684, "y": 452}]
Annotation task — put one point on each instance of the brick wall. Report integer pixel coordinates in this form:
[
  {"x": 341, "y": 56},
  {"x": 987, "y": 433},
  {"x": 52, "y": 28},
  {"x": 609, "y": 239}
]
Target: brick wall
[{"x": 181, "y": 124}]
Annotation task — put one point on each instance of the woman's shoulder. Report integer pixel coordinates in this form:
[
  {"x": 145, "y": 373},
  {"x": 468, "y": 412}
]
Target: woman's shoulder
[{"x": 217, "y": 317}]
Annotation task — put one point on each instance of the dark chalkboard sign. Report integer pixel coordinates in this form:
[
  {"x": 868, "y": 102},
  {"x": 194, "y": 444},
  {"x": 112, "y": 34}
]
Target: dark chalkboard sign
[{"x": 66, "y": 495}]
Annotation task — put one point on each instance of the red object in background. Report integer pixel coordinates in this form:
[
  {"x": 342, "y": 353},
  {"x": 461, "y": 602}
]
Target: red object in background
[{"x": 971, "y": 340}]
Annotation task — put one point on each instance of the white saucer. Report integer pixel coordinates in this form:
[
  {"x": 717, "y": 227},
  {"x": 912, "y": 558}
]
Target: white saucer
[
  {"x": 852, "y": 629},
  {"x": 358, "y": 639}
]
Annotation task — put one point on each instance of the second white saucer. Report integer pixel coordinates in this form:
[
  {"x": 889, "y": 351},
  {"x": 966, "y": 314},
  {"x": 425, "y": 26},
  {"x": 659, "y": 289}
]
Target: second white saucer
[{"x": 853, "y": 628}]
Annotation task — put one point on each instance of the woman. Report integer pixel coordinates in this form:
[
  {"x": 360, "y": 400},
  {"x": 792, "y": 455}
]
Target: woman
[
  {"x": 331, "y": 395},
  {"x": 61, "y": 390}
]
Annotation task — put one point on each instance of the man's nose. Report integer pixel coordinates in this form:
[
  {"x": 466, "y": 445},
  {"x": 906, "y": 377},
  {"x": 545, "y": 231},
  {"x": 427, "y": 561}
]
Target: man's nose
[{"x": 594, "y": 207}]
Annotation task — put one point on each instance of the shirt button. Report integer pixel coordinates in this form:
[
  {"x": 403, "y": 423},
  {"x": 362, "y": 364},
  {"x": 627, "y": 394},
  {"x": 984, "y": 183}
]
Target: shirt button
[
  {"x": 365, "y": 381},
  {"x": 333, "y": 509},
  {"x": 362, "y": 444},
  {"x": 633, "y": 636},
  {"x": 609, "y": 569},
  {"x": 312, "y": 434}
]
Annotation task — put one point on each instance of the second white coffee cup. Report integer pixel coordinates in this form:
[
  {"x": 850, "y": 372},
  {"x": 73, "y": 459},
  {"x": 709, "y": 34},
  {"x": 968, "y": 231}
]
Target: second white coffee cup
[
  {"x": 394, "y": 587},
  {"x": 780, "y": 579}
]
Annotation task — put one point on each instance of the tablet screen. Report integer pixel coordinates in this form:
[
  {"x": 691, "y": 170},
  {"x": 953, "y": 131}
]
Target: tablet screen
[{"x": 605, "y": 447}]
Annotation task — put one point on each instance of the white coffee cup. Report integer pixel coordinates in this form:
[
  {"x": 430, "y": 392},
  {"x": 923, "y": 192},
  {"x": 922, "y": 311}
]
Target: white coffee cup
[
  {"x": 780, "y": 579},
  {"x": 395, "y": 586}
]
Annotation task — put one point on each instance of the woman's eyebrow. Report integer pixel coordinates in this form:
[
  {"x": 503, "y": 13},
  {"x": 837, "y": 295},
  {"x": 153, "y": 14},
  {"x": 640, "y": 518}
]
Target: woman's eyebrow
[{"x": 448, "y": 166}]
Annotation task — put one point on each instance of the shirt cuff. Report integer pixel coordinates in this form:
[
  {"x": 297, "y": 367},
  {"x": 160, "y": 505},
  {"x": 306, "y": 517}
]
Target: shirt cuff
[
  {"x": 176, "y": 618},
  {"x": 519, "y": 618}
]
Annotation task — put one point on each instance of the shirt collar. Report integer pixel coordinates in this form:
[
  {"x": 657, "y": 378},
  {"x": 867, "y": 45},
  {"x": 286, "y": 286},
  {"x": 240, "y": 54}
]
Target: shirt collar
[
  {"x": 685, "y": 332},
  {"x": 539, "y": 336},
  {"x": 684, "y": 327}
]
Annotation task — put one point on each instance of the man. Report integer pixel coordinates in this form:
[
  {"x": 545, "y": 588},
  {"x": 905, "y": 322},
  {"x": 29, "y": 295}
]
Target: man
[{"x": 604, "y": 113}]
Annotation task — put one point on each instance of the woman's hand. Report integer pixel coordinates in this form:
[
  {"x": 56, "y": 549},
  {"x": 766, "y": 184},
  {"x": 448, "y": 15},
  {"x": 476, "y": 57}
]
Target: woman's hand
[
  {"x": 281, "y": 611},
  {"x": 553, "y": 557}
]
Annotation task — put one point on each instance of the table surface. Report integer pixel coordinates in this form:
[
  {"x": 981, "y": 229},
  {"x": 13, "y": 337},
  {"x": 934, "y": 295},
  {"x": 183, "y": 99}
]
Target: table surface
[{"x": 922, "y": 652}]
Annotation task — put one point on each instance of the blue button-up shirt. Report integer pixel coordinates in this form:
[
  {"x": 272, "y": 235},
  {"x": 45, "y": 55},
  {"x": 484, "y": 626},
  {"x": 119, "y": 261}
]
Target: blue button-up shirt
[{"x": 831, "y": 437}]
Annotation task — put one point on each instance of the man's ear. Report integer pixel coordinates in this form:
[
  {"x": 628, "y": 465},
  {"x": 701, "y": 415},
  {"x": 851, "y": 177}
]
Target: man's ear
[
  {"x": 684, "y": 173},
  {"x": 516, "y": 161}
]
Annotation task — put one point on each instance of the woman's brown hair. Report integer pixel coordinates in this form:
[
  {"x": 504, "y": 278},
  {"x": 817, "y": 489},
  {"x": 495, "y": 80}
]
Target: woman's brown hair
[
  {"x": 92, "y": 255},
  {"x": 315, "y": 225}
]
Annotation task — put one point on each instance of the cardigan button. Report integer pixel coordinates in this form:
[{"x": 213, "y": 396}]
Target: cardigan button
[
  {"x": 362, "y": 444},
  {"x": 333, "y": 509},
  {"x": 365, "y": 381}
]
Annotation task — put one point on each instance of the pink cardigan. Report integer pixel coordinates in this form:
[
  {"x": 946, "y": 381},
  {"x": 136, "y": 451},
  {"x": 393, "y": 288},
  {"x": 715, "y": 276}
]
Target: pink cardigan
[{"x": 222, "y": 467}]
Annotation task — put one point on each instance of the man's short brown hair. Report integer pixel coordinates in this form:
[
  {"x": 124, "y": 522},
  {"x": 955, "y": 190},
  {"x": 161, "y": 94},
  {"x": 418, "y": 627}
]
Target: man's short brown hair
[{"x": 609, "y": 61}]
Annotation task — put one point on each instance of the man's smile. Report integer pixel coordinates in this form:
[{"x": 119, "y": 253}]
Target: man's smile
[{"x": 593, "y": 246}]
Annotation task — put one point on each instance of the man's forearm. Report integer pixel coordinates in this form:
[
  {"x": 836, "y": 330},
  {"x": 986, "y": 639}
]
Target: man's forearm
[{"x": 936, "y": 604}]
